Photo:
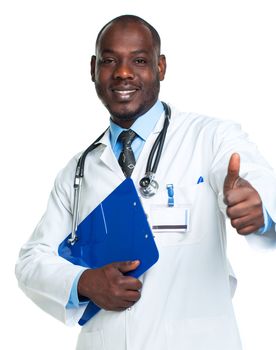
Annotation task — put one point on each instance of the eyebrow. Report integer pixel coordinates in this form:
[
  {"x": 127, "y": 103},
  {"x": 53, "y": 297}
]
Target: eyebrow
[{"x": 135, "y": 52}]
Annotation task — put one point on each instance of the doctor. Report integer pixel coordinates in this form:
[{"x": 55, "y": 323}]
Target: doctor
[{"x": 184, "y": 300}]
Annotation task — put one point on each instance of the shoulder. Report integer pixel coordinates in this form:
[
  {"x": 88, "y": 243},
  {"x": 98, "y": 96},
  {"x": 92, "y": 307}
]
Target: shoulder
[
  {"x": 197, "y": 119},
  {"x": 199, "y": 123},
  {"x": 65, "y": 178}
]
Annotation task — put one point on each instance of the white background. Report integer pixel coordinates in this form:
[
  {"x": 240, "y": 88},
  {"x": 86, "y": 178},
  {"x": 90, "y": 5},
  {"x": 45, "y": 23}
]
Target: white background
[{"x": 221, "y": 62}]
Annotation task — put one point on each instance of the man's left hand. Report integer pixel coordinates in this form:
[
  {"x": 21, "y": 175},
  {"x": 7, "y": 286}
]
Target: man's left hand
[{"x": 244, "y": 205}]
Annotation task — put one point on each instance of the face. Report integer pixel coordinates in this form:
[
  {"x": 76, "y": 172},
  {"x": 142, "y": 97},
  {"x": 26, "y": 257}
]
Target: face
[{"x": 127, "y": 71}]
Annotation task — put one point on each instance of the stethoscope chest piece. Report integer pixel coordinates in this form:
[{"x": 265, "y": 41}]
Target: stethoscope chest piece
[{"x": 148, "y": 186}]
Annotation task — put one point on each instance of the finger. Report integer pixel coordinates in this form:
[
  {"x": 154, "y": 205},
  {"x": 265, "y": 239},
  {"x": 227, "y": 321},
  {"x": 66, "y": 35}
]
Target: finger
[
  {"x": 232, "y": 172},
  {"x": 247, "y": 224},
  {"x": 242, "y": 222},
  {"x": 238, "y": 211},
  {"x": 130, "y": 283},
  {"x": 127, "y": 299},
  {"x": 247, "y": 230},
  {"x": 132, "y": 296},
  {"x": 242, "y": 193},
  {"x": 235, "y": 197},
  {"x": 238, "y": 204},
  {"x": 123, "y": 305},
  {"x": 126, "y": 266}
]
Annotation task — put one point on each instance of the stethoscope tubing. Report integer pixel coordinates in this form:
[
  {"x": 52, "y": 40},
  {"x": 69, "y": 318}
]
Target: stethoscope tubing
[{"x": 154, "y": 157}]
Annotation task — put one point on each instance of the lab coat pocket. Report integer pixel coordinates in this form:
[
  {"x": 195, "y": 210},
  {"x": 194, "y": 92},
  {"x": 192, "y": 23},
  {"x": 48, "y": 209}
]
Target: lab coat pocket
[
  {"x": 174, "y": 225},
  {"x": 91, "y": 340}
]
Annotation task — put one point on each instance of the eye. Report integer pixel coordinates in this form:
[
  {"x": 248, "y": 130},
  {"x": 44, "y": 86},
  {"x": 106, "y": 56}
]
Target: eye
[
  {"x": 140, "y": 61},
  {"x": 107, "y": 60}
]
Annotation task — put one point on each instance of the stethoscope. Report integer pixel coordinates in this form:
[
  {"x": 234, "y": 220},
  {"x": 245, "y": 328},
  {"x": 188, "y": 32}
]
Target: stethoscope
[{"x": 148, "y": 184}]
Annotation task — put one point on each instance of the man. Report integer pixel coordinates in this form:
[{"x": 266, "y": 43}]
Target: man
[{"x": 184, "y": 300}]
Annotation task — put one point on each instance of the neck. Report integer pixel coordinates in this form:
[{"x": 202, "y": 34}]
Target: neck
[
  {"x": 126, "y": 121},
  {"x": 125, "y": 124}
]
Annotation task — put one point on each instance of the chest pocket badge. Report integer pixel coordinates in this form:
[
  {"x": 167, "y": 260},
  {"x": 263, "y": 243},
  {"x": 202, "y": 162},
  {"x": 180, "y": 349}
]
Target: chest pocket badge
[{"x": 170, "y": 219}]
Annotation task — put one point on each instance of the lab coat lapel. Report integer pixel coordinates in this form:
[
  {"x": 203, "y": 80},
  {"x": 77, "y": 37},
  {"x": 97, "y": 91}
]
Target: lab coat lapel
[
  {"x": 107, "y": 157},
  {"x": 109, "y": 160}
]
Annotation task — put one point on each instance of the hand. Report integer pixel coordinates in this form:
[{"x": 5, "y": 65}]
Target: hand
[
  {"x": 244, "y": 205},
  {"x": 108, "y": 288}
]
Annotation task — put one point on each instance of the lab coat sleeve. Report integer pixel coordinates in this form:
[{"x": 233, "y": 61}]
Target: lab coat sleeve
[
  {"x": 228, "y": 139},
  {"x": 43, "y": 275}
]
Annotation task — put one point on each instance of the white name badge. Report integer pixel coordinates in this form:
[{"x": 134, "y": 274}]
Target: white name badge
[{"x": 170, "y": 219}]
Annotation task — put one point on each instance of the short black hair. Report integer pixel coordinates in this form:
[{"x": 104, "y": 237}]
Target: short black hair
[{"x": 131, "y": 19}]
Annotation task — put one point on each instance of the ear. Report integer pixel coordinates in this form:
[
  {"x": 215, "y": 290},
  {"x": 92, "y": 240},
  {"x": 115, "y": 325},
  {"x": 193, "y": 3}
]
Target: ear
[
  {"x": 162, "y": 65},
  {"x": 92, "y": 67}
]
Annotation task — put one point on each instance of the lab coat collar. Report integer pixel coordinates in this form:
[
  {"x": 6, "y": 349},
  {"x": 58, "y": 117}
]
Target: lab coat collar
[
  {"x": 143, "y": 126},
  {"x": 108, "y": 157}
]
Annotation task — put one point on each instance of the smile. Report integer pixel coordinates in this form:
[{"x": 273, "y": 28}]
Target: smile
[{"x": 124, "y": 94}]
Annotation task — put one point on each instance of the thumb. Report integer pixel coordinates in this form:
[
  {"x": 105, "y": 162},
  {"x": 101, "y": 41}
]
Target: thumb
[
  {"x": 232, "y": 173},
  {"x": 126, "y": 266}
]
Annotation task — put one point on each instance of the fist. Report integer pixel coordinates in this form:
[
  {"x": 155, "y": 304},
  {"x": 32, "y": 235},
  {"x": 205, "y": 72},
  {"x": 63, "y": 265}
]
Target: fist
[{"x": 244, "y": 205}]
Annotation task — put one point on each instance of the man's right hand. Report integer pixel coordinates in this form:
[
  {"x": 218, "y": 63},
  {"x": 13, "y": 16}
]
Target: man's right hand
[{"x": 109, "y": 288}]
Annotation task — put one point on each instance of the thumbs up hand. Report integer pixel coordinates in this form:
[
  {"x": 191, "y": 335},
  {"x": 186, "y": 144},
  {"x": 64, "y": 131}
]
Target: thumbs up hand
[{"x": 244, "y": 205}]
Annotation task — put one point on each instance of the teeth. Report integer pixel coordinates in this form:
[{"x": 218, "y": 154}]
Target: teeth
[{"x": 124, "y": 92}]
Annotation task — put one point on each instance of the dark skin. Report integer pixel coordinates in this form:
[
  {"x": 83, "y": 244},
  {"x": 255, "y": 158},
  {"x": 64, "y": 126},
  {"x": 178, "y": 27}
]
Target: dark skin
[
  {"x": 244, "y": 205},
  {"x": 109, "y": 288},
  {"x": 127, "y": 71}
]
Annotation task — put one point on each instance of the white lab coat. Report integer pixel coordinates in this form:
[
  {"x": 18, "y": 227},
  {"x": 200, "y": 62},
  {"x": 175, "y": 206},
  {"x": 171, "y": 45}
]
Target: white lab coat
[{"x": 186, "y": 295}]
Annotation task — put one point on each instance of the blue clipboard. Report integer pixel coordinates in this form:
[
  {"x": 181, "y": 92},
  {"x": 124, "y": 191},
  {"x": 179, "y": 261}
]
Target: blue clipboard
[{"x": 116, "y": 230}]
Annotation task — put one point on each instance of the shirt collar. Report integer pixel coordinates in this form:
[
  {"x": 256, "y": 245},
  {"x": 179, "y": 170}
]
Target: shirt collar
[{"x": 142, "y": 126}]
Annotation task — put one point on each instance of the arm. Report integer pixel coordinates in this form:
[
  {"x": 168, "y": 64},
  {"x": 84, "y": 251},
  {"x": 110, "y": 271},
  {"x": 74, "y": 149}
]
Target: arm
[
  {"x": 255, "y": 180},
  {"x": 244, "y": 205},
  {"x": 49, "y": 280},
  {"x": 42, "y": 274}
]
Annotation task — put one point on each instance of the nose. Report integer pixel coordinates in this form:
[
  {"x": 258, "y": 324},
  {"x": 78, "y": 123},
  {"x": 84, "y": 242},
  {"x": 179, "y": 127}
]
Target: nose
[{"x": 123, "y": 71}]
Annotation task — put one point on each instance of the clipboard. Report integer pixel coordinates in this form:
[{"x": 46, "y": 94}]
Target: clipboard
[{"x": 116, "y": 230}]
